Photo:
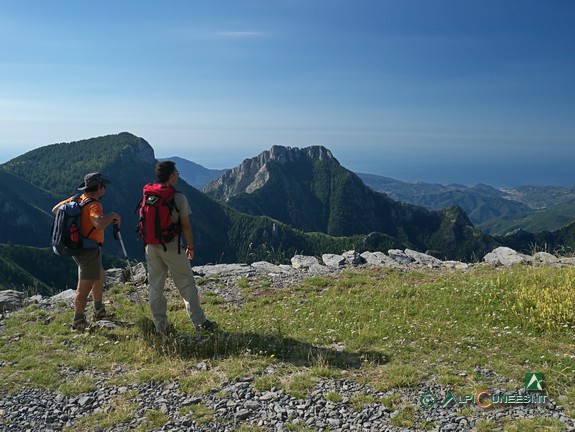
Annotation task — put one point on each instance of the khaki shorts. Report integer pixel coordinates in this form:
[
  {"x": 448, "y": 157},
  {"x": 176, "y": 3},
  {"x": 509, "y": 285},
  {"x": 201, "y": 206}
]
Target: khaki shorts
[{"x": 89, "y": 264}]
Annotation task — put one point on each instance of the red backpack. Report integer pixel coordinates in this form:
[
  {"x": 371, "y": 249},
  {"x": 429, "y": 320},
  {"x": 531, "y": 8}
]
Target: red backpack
[{"x": 155, "y": 225}]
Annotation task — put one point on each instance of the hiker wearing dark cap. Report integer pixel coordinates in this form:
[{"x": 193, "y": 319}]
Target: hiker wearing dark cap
[{"x": 91, "y": 275}]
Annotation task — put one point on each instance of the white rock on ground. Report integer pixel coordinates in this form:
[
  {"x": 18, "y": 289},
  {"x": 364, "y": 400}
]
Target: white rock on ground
[
  {"x": 506, "y": 256},
  {"x": 423, "y": 259},
  {"x": 303, "y": 261},
  {"x": 400, "y": 256},
  {"x": 10, "y": 300},
  {"x": 333, "y": 260}
]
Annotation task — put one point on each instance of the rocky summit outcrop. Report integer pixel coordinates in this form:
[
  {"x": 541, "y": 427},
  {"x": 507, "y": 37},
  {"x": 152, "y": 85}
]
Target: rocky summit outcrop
[
  {"x": 301, "y": 267},
  {"x": 11, "y": 300},
  {"x": 504, "y": 256},
  {"x": 253, "y": 173}
]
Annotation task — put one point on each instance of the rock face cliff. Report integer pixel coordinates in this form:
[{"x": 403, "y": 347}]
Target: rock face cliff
[
  {"x": 254, "y": 173},
  {"x": 308, "y": 189}
]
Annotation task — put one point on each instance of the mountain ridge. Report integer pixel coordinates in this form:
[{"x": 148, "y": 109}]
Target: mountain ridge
[
  {"x": 493, "y": 210},
  {"x": 195, "y": 174},
  {"x": 309, "y": 189}
]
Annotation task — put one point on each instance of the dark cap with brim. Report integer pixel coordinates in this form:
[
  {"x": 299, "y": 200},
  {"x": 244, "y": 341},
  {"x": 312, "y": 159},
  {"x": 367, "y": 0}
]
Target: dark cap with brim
[{"x": 93, "y": 179}]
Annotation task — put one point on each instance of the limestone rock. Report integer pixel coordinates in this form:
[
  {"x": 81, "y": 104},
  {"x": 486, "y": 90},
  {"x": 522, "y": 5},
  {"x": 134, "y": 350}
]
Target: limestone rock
[
  {"x": 506, "y": 256},
  {"x": 333, "y": 260},
  {"x": 266, "y": 267},
  {"x": 567, "y": 260},
  {"x": 378, "y": 258},
  {"x": 318, "y": 269},
  {"x": 303, "y": 261},
  {"x": 139, "y": 274},
  {"x": 353, "y": 258},
  {"x": 10, "y": 300},
  {"x": 423, "y": 259},
  {"x": 223, "y": 269},
  {"x": 104, "y": 324},
  {"x": 66, "y": 296},
  {"x": 115, "y": 276},
  {"x": 400, "y": 256},
  {"x": 545, "y": 258},
  {"x": 455, "y": 265}
]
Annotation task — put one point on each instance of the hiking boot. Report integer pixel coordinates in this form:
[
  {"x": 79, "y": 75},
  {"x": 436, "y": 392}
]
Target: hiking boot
[
  {"x": 169, "y": 330},
  {"x": 207, "y": 326},
  {"x": 80, "y": 324},
  {"x": 100, "y": 314}
]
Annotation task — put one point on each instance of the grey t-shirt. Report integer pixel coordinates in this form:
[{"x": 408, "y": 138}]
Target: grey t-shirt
[{"x": 182, "y": 205}]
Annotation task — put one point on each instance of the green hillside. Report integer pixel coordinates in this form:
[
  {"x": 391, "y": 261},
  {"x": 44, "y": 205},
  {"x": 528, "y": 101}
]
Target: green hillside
[
  {"x": 60, "y": 168},
  {"x": 38, "y": 270},
  {"x": 480, "y": 203},
  {"x": 539, "y": 197},
  {"x": 25, "y": 211},
  {"x": 336, "y": 202},
  {"x": 559, "y": 241},
  {"x": 550, "y": 219},
  {"x": 494, "y": 211},
  {"x": 401, "y": 190}
]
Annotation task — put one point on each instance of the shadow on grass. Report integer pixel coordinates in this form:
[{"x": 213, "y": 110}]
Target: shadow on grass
[{"x": 224, "y": 344}]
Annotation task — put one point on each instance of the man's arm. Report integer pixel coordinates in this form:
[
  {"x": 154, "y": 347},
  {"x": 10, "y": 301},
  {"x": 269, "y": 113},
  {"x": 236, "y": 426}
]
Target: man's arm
[
  {"x": 101, "y": 222},
  {"x": 57, "y": 206},
  {"x": 187, "y": 231}
]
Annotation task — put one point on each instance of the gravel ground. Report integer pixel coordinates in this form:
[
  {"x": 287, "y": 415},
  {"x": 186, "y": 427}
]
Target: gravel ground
[{"x": 238, "y": 403}]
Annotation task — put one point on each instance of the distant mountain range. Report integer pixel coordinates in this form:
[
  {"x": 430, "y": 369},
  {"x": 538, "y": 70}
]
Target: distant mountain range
[
  {"x": 193, "y": 173},
  {"x": 271, "y": 206},
  {"x": 494, "y": 211}
]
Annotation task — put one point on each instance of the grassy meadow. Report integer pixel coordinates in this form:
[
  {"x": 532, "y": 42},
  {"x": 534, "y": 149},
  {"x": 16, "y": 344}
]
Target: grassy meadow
[{"x": 382, "y": 327}]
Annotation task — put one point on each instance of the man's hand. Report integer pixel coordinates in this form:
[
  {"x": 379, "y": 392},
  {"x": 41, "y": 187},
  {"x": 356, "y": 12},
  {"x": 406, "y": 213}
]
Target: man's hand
[
  {"x": 116, "y": 219},
  {"x": 190, "y": 252}
]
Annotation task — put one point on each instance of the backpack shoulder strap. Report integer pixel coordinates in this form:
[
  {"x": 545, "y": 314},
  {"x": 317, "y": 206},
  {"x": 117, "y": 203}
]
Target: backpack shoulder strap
[
  {"x": 82, "y": 204},
  {"x": 176, "y": 205},
  {"x": 87, "y": 201}
]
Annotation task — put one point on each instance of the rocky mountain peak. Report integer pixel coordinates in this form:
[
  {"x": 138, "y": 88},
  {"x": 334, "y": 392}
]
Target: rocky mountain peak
[
  {"x": 138, "y": 148},
  {"x": 252, "y": 173},
  {"x": 283, "y": 154}
]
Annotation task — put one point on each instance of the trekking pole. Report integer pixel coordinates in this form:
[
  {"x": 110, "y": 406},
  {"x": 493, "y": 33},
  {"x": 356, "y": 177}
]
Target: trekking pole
[{"x": 118, "y": 236}]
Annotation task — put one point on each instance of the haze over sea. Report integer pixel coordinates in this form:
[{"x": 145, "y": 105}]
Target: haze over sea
[{"x": 435, "y": 91}]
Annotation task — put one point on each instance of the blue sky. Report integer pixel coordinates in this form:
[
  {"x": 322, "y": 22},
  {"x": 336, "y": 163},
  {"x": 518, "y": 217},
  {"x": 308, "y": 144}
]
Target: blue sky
[{"x": 440, "y": 91}]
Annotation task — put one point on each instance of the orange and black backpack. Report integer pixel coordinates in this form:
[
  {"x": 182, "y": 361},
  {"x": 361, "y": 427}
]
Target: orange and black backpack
[{"x": 67, "y": 237}]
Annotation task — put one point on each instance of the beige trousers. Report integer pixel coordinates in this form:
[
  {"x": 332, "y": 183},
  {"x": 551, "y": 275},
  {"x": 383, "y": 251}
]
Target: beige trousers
[{"x": 159, "y": 262}]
